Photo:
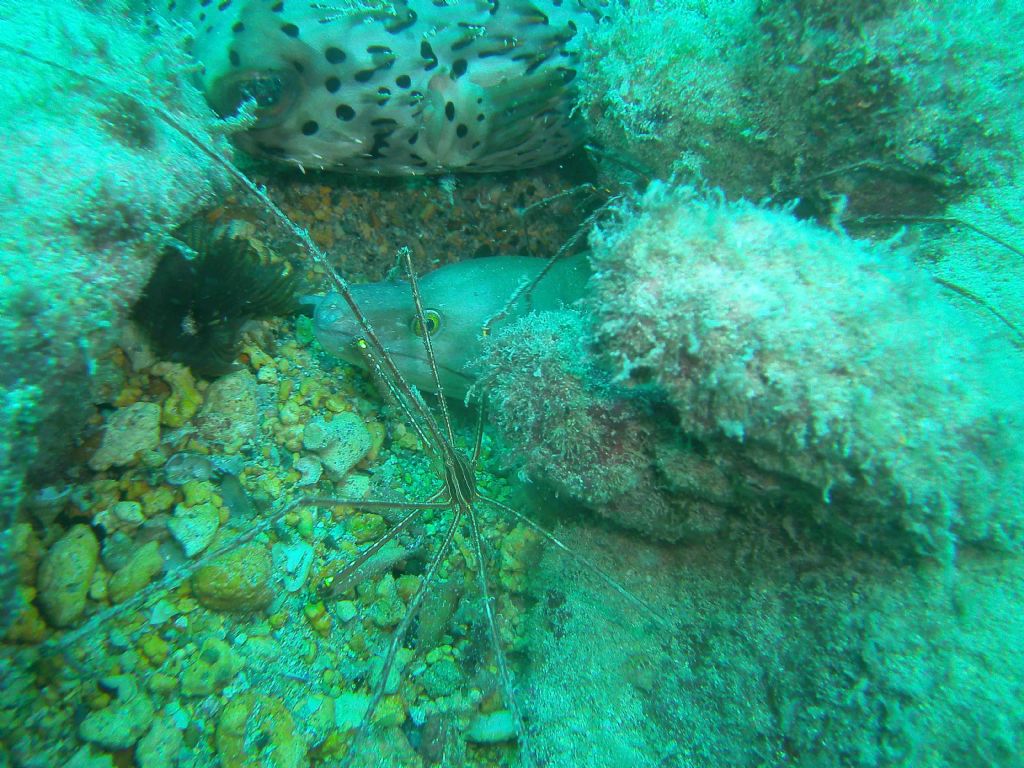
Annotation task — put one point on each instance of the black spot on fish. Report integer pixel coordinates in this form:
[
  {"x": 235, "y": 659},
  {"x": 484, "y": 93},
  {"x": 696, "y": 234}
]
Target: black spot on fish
[
  {"x": 238, "y": 28},
  {"x": 332, "y": 84},
  {"x": 449, "y": 111},
  {"x": 461, "y": 130},
  {"x": 345, "y": 112},
  {"x": 426, "y": 52},
  {"x": 310, "y": 127},
  {"x": 234, "y": 58},
  {"x": 401, "y": 23},
  {"x": 290, "y": 29},
  {"x": 403, "y": 81},
  {"x": 459, "y": 67},
  {"x": 335, "y": 55}
]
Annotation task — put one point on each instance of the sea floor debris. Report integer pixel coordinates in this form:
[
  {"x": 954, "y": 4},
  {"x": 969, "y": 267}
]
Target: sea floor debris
[
  {"x": 262, "y": 642},
  {"x": 244, "y": 634}
]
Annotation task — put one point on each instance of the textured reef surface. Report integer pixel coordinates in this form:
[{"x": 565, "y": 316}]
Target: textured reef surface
[{"x": 749, "y": 484}]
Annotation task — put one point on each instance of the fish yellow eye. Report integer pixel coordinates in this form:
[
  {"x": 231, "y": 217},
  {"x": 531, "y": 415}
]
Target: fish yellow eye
[{"x": 432, "y": 321}]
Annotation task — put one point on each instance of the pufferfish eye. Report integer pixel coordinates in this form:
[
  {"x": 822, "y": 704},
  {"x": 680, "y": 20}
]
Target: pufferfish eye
[
  {"x": 431, "y": 320},
  {"x": 273, "y": 91}
]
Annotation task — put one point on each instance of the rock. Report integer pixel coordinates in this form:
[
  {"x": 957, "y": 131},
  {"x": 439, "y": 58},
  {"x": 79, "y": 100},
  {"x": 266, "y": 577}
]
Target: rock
[
  {"x": 25, "y": 625},
  {"x": 317, "y": 716},
  {"x": 310, "y": 468},
  {"x": 237, "y": 581},
  {"x": 340, "y": 443},
  {"x": 129, "y": 431},
  {"x": 212, "y": 669},
  {"x": 186, "y": 466},
  {"x": 194, "y": 527},
  {"x": 345, "y": 610},
  {"x": 24, "y": 549},
  {"x": 98, "y": 586},
  {"x": 142, "y": 566},
  {"x": 136, "y": 347},
  {"x": 84, "y": 758},
  {"x": 492, "y": 728},
  {"x": 117, "y": 550},
  {"x": 128, "y": 514},
  {"x": 119, "y": 725},
  {"x": 441, "y": 678},
  {"x": 160, "y": 747},
  {"x": 230, "y": 415},
  {"x": 183, "y": 402},
  {"x": 295, "y": 561},
  {"x": 154, "y": 648},
  {"x": 258, "y": 730},
  {"x": 349, "y": 710},
  {"x": 65, "y": 574},
  {"x": 122, "y": 516}
]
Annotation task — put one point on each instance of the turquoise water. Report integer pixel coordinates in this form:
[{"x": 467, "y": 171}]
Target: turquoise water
[{"x": 748, "y": 483}]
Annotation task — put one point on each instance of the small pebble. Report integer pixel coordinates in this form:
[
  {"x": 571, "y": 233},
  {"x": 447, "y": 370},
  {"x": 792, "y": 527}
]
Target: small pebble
[
  {"x": 237, "y": 581},
  {"x": 492, "y": 728},
  {"x": 160, "y": 747},
  {"x": 65, "y": 575},
  {"x": 119, "y": 725},
  {"x": 129, "y": 431},
  {"x": 194, "y": 527},
  {"x": 140, "y": 569}
]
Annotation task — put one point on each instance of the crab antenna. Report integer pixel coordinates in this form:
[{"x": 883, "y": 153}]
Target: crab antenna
[{"x": 428, "y": 345}]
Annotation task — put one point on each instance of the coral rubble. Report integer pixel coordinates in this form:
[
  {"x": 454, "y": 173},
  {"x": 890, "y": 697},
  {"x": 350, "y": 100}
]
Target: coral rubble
[
  {"x": 95, "y": 180},
  {"x": 852, "y": 108}
]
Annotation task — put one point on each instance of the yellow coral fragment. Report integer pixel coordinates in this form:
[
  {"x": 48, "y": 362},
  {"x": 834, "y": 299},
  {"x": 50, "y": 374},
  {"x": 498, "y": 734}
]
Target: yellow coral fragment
[{"x": 184, "y": 400}]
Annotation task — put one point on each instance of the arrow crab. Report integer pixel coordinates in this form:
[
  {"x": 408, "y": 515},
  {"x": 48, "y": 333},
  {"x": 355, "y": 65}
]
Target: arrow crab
[
  {"x": 457, "y": 496},
  {"x": 370, "y": 704}
]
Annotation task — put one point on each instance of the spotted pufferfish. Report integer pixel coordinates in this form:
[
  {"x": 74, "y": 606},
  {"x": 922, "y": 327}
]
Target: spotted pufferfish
[{"x": 395, "y": 88}]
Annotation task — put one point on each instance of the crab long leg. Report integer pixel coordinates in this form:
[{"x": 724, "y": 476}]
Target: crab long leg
[
  {"x": 398, "y": 636},
  {"x": 602, "y": 574}
]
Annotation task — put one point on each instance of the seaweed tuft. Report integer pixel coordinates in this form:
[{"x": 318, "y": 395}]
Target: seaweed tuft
[{"x": 204, "y": 290}]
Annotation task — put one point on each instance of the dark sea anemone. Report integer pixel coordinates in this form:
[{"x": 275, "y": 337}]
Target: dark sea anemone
[{"x": 204, "y": 290}]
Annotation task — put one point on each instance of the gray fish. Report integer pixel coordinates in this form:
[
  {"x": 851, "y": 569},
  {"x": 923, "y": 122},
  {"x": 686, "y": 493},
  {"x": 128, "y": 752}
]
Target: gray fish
[
  {"x": 395, "y": 88},
  {"x": 457, "y": 301}
]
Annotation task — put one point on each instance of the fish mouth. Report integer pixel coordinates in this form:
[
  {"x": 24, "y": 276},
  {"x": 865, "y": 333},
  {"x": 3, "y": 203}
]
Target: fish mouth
[{"x": 350, "y": 353}]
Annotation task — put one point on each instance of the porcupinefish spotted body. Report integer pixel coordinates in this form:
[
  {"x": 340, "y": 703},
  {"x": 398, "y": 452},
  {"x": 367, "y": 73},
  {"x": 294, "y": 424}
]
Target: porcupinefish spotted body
[{"x": 395, "y": 88}]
